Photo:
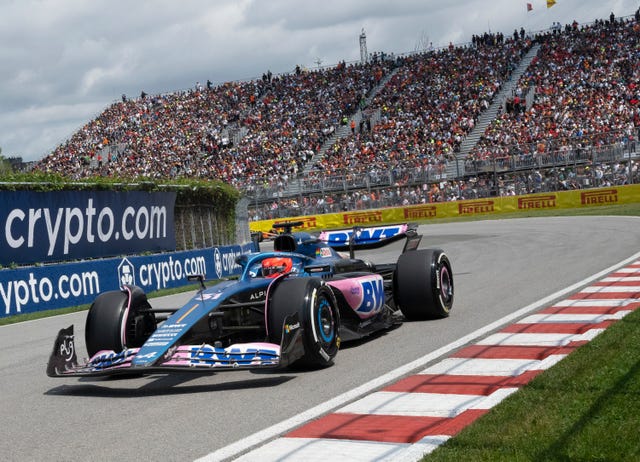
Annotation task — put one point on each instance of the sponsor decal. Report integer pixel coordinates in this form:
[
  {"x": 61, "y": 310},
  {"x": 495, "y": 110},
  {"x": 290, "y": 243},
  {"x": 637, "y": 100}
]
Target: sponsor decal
[
  {"x": 362, "y": 217},
  {"x": 111, "y": 358},
  {"x": 258, "y": 295},
  {"x": 537, "y": 202},
  {"x": 126, "y": 273},
  {"x": 67, "y": 348},
  {"x": 471, "y": 208},
  {"x": 607, "y": 196},
  {"x": 423, "y": 211},
  {"x": 211, "y": 296},
  {"x": 291, "y": 327},
  {"x": 167, "y": 333},
  {"x": 363, "y": 294},
  {"x": 207, "y": 355},
  {"x": 372, "y": 295},
  {"x": 225, "y": 261},
  {"x": 364, "y": 235},
  {"x": 323, "y": 252},
  {"x": 217, "y": 260}
]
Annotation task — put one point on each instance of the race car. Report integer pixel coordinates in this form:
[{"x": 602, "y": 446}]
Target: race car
[
  {"x": 265, "y": 235},
  {"x": 293, "y": 305}
]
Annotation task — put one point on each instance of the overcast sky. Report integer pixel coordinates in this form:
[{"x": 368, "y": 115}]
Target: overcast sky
[{"x": 63, "y": 61}]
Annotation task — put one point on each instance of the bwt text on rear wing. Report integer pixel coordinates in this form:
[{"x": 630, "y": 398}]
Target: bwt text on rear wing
[{"x": 359, "y": 237}]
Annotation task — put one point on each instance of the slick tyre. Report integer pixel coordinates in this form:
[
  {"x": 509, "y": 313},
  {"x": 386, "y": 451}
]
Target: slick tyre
[
  {"x": 115, "y": 324},
  {"x": 423, "y": 284},
  {"x": 319, "y": 317}
]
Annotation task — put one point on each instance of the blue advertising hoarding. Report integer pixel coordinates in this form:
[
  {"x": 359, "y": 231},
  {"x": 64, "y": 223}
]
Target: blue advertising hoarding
[
  {"x": 38, "y": 227},
  {"x": 31, "y": 289}
]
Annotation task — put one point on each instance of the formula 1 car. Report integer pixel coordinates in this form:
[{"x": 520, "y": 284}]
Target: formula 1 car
[{"x": 292, "y": 305}]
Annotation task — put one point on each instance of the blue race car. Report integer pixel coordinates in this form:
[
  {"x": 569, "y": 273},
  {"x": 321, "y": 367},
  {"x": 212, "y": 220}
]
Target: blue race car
[{"x": 292, "y": 305}]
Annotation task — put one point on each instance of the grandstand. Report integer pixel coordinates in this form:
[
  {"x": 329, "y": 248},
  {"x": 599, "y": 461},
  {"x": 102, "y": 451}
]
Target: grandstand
[{"x": 554, "y": 110}]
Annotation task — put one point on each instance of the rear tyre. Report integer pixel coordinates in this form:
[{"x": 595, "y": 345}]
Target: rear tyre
[
  {"x": 423, "y": 284},
  {"x": 115, "y": 324},
  {"x": 317, "y": 310}
]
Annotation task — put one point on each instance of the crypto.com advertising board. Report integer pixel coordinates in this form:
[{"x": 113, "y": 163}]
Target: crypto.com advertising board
[
  {"x": 39, "y": 227},
  {"x": 38, "y": 288}
]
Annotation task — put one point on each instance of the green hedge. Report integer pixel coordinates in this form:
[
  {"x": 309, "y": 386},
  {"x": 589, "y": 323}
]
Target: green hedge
[{"x": 189, "y": 192}]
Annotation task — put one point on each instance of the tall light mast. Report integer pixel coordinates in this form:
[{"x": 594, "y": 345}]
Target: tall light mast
[{"x": 364, "y": 57}]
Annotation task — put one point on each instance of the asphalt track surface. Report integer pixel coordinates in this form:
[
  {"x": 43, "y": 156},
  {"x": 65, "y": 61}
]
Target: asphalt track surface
[{"x": 499, "y": 267}]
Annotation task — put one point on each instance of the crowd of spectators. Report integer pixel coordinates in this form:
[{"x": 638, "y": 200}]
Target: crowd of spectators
[
  {"x": 283, "y": 119},
  {"x": 586, "y": 83},
  {"x": 427, "y": 108}
]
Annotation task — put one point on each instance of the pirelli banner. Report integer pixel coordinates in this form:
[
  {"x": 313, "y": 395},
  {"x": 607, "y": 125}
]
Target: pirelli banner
[{"x": 584, "y": 198}]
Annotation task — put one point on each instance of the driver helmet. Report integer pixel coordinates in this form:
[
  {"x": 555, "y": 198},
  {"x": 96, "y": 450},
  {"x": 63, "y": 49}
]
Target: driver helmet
[{"x": 274, "y": 266}]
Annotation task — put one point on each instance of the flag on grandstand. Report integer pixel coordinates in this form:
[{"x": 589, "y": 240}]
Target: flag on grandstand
[
  {"x": 550, "y": 3},
  {"x": 529, "y": 7}
]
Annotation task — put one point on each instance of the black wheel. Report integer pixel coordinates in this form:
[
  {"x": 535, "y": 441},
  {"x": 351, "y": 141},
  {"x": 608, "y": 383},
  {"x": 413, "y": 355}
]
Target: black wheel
[
  {"x": 317, "y": 309},
  {"x": 115, "y": 324},
  {"x": 423, "y": 284}
]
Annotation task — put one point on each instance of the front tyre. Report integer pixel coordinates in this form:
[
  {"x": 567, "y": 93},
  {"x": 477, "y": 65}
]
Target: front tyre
[
  {"x": 423, "y": 284},
  {"x": 317, "y": 310},
  {"x": 119, "y": 319}
]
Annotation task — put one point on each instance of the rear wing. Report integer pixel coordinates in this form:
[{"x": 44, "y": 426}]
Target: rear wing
[{"x": 359, "y": 238}]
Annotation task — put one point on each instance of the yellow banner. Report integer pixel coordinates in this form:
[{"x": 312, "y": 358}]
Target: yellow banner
[
  {"x": 550, "y": 3},
  {"x": 582, "y": 198}
]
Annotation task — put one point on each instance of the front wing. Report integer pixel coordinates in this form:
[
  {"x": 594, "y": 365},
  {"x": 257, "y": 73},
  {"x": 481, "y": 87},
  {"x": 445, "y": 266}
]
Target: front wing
[{"x": 180, "y": 358}]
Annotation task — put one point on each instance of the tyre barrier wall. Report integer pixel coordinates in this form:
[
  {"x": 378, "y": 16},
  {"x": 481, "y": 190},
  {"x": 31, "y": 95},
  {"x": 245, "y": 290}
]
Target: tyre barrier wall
[
  {"x": 583, "y": 198},
  {"x": 39, "y": 288}
]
